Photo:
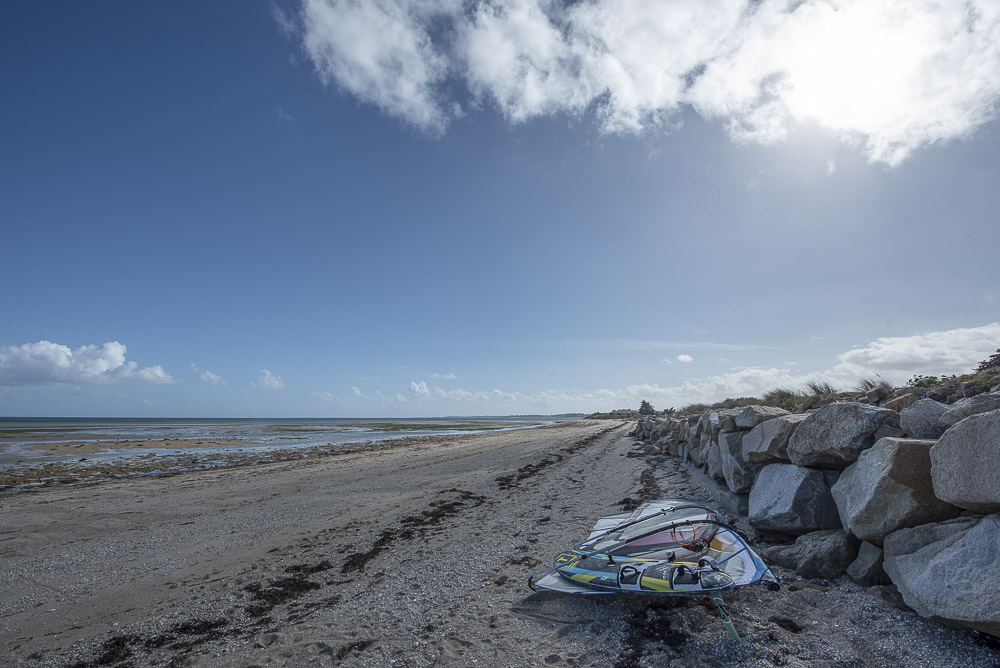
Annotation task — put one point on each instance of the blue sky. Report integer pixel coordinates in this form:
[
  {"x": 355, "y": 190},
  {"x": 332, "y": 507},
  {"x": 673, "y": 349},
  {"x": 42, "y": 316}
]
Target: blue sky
[{"x": 413, "y": 209}]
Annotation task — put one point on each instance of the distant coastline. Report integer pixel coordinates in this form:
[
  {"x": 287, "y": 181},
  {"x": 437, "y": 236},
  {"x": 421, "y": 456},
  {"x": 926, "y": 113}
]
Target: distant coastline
[{"x": 42, "y": 450}]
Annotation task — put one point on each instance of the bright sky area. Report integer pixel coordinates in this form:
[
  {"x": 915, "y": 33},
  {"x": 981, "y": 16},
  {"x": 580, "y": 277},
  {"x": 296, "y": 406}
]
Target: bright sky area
[{"x": 400, "y": 208}]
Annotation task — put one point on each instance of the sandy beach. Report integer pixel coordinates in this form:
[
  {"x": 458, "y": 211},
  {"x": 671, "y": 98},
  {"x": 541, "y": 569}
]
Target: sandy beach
[{"x": 410, "y": 554}]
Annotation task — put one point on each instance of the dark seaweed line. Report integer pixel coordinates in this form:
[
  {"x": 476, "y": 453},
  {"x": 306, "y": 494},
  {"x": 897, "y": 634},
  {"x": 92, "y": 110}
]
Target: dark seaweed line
[
  {"x": 510, "y": 481},
  {"x": 414, "y": 525}
]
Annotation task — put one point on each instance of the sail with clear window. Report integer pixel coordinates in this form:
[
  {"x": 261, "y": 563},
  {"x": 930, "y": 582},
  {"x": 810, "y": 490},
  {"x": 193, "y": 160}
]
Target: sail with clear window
[{"x": 671, "y": 546}]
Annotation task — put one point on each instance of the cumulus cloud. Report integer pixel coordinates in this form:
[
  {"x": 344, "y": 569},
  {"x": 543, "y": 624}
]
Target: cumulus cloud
[
  {"x": 891, "y": 76},
  {"x": 380, "y": 51},
  {"x": 685, "y": 358},
  {"x": 46, "y": 362},
  {"x": 895, "y": 358},
  {"x": 898, "y": 358},
  {"x": 268, "y": 381},
  {"x": 324, "y": 396},
  {"x": 461, "y": 395},
  {"x": 209, "y": 377},
  {"x": 946, "y": 352}
]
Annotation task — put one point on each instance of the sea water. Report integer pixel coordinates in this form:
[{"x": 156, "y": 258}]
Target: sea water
[{"x": 22, "y": 439}]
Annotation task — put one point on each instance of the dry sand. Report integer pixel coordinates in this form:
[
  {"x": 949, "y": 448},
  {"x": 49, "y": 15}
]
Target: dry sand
[{"x": 415, "y": 554}]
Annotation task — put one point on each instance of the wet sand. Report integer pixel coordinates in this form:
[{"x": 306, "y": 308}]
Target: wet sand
[
  {"x": 90, "y": 447},
  {"x": 410, "y": 554}
]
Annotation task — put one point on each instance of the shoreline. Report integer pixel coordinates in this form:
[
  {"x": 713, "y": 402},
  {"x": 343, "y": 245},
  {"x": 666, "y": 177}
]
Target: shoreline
[
  {"x": 411, "y": 556},
  {"x": 89, "y": 459},
  {"x": 164, "y": 463}
]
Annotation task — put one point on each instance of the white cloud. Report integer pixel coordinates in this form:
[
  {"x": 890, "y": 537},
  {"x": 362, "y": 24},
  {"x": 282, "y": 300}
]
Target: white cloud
[
  {"x": 831, "y": 167},
  {"x": 381, "y": 52},
  {"x": 47, "y": 362},
  {"x": 509, "y": 396},
  {"x": 399, "y": 397},
  {"x": 461, "y": 395},
  {"x": 895, "y": 358},
  {"x": 268, "y": 381},
  {"x": 357, "y": 392},
  {"x": 891, "y": 76},
  {"x": 444, "y": 376},
  {"x": 685, "y": 358},
  {"x": 325, "y": 396},
  {"x": 209, "y": 377},
  {"x": 954, "y": 351}
]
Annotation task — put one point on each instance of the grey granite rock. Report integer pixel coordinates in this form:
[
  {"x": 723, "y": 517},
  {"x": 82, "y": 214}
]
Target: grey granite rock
[
  {"x": 767, "y": 443},
  {"x": 738, "y": 474},
  {"x": 867, "y": 569},
  {"x": 963, "y": 408},
  {"x": 713, "y": 461},
  {"x": 902, "y": 401},
  {"x": 949, "y": 571},
  {"x": 751, "y": 416},
  {"x": 923, "y": 419},
  {"x": 790, "y": 499},
  {"x": 836, "y": 434},
  {"x": 965, "y": 463},
  {"x": 820, "y": 554},
  {"x": 889, "y": 488}
]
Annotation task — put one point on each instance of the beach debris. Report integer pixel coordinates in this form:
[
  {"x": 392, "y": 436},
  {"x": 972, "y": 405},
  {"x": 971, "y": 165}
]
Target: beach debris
[{"x": 668, "y": 547}]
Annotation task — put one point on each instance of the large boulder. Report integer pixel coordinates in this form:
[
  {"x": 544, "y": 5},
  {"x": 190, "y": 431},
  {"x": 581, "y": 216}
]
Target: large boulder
[
  {"x": 767, "y": 443},
  {"x": 725, "y": 420},
  {"x": 713, "y": 462},
  {"x": 964, "y": 463},
  {"x": 704, "y": 424},
  {"x": 751, "y": 416},
  {"x": 730, "y": 502},
  {"x": 698, "y": 449},
  {"x": 836, "y": 434},
  {"x": 674, "y": 433},
  {"x": 727, "y": 423},
  {"x": 867, "y": 569},
  {"x": 889, "y": 488},
  {"x": 949, "y": 571},
  {"x": 923, "y": 419},
  {"x": 963, "y": 408},
  {"x": 739, "y": 474},
  {"x": 820, "y": 554},
  {"x": 902, "y": 401},
  {"x": 790, "y": 499}
]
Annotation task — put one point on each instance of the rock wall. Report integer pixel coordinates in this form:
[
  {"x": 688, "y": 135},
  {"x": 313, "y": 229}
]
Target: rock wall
[{"x": 903, "y": 488}]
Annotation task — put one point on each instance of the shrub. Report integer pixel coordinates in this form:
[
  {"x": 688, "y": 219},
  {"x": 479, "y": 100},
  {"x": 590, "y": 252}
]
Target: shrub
[
  {"x": 872, "y": 382},
  {"x": 924, "y": 381},
  {"x": 821, "y": 388},
  {"x": 992, "y": 363},
  {"x": 782, "y": 397}
]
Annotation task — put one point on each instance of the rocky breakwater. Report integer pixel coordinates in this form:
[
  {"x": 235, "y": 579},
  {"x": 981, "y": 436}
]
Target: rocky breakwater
[{"x": 906, "y": 492}]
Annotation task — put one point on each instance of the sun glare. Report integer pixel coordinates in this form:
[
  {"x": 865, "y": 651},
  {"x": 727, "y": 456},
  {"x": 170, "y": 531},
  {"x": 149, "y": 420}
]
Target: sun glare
[{"x": 853, "y": 72}]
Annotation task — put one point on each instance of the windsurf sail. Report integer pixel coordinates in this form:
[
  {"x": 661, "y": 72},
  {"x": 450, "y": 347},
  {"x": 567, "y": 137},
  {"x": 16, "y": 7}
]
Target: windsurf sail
[{"x": 666, "y": 547}]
